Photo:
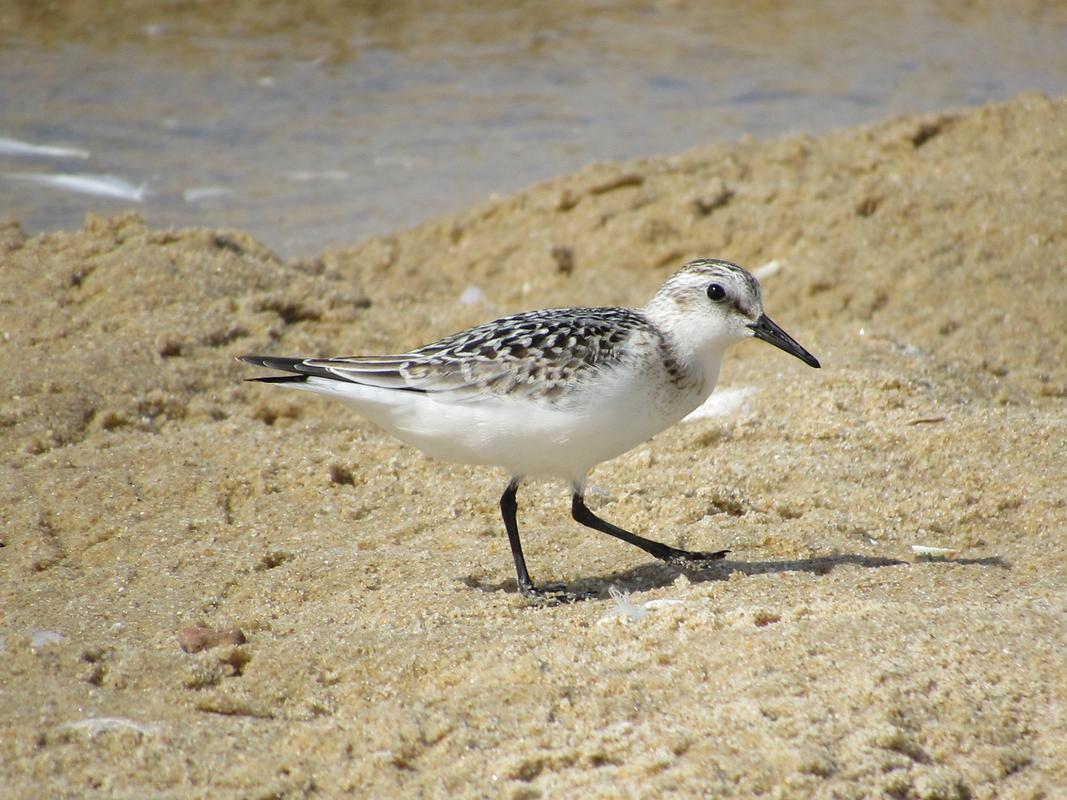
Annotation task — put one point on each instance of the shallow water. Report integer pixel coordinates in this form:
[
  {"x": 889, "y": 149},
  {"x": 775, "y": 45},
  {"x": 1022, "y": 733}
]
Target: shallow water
[{"x": 320, "y": 125}]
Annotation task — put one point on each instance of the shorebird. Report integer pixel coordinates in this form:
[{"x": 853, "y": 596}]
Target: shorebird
[{"x": 552, "y": 393}]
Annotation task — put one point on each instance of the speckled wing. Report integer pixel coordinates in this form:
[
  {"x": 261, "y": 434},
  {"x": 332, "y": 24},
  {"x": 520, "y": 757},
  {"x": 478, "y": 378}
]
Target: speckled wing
[{"x": 541, "y": 355}]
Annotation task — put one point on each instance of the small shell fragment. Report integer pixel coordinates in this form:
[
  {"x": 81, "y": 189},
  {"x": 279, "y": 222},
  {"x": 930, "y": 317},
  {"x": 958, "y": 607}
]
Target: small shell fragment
[
  {"x": 652, "y": 605},
  {"x": 772, "y": 267},
  {"x": 93, "y": 726},
  {"x": 472, "y": 295},
  {"x": 934, "y": 552}
]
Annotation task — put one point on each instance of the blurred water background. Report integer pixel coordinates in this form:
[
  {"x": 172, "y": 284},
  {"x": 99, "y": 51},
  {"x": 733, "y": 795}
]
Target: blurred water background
[{"x": 316, "y": 124}]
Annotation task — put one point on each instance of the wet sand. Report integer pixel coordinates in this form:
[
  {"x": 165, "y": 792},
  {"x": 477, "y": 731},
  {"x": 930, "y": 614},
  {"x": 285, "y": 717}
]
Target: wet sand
[{"x": 146, "y": 490}]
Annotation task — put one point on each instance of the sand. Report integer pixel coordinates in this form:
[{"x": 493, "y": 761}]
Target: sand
[{"x": 146, "y": 489}]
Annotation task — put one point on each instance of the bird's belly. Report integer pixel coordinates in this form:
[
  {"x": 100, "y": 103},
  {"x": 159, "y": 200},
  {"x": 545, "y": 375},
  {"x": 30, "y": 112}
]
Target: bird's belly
[{"x": 530, "y": 438}]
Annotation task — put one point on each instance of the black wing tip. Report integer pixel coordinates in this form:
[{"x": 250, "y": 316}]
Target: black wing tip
[
  {"x": 274, "y": 362},
  {"x": 295, "y": 365},
  {"x": 280, "y": 379},
  {"x": 299, "y": 366},
  {"x": 303, "y": 371}
]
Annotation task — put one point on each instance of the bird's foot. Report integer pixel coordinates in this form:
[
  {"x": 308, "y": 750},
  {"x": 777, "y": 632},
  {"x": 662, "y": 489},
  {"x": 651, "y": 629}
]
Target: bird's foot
[
  {"x": 553, "y": 594},
  {"x": 685, "y": 558}
]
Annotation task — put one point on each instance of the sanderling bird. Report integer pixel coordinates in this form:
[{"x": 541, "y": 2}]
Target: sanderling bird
[{"x": 552, "y": 393}]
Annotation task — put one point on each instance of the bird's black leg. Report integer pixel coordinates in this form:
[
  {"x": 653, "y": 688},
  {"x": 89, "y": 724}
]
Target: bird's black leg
[
  {"x": 508, "y": 507},
  {"x": 663, "y": 552},
  {"x": 552, "y": 595}
]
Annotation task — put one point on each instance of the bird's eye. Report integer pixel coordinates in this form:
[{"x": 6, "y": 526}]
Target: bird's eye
[{"x": 716, "y": 292}]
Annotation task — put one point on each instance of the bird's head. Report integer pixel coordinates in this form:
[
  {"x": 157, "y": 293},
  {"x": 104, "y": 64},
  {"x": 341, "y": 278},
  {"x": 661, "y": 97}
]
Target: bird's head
[{"x": 709, "y": 304}]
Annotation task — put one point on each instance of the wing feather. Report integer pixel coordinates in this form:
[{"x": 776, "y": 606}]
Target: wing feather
[{"x": 537, "y": 354}]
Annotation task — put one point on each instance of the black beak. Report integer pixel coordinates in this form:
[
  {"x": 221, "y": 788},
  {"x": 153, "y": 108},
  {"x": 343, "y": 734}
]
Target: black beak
[{"x": 767, "y": 330}]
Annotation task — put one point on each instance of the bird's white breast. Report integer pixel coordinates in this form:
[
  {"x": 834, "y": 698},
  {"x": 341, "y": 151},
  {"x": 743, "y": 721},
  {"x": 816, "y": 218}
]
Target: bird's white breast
[{"x": 565, "y": 438}]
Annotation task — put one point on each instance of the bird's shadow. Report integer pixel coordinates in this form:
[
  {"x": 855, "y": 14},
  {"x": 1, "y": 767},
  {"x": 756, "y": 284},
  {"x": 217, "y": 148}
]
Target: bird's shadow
[{"x": 656, "y": 575}]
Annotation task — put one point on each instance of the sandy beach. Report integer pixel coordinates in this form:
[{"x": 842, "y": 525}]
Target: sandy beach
[{"x": 147, "y": 489}]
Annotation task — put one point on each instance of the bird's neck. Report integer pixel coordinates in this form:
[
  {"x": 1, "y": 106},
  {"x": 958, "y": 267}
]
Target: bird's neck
[{"x": 692, "y": 362}]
